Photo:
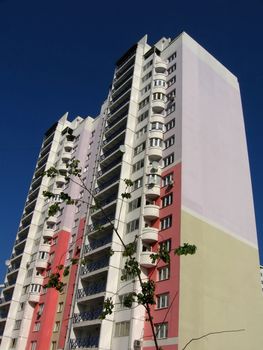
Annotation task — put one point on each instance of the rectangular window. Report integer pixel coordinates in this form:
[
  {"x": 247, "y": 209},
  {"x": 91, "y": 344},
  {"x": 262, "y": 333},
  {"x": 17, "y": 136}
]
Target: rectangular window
[
  {"x": 171, "y": 81},
  {"x": 56, "y": 326},
  {"x": 53, "y": 345},
  {"x": 132, "y": 225},
  {"x": 159, "y": 96},
  {"x": 17, "y": 324},
  {"x": 147, "y": 65},
  {"x": 122, "y": 329},
  {"x": 169, "y": 142},
  {"x": 144, "y": 102},
  {"x": 161, "y": 330},
  {"x": 165, "y": 245},
  {"x": 157, "y": 126},
  {"x": 170, "y": 109},
  {"x": 171, "y": 95},
  {"x": 33, "y": 345},
  {"x": 36, "y": 326},
  {"x": 163, "y": 273},
  {"x": 139, "y": 148},
  {"x": 172, "y": 57},
  {"x": 171, "y": 69},
  {"x": 136, "y": 203},
  {"x": 43, "y": 255},
  {"x": 143, "y": 116},
  {"x": 159, "y": 82},
  {"x": 167, "y": 180},
  {"x": 141, "y": 132},
  {"x": 166, "y": 222},
  {"x": 137, "y": 184},
  {"x": 155, "y": 142},
  {"x": 146, "y": 77},
  {"x": 170, "y": 125},
  {"x": 168, "y": 160},
  {"x": 120, "y": 305},
  {"x": 60, "y": 307},
  {"x": 167, "y": 200},
  {"x": 145, "y": 89},
  {"x": 162, "y": 301},
  {"x": 137, "y": 166}
]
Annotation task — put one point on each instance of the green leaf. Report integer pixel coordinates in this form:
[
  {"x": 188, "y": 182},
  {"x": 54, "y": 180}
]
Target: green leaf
[{"x": 185, "y": 249}]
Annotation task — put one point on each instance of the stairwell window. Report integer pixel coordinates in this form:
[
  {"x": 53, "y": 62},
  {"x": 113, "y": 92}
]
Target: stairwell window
[{"x": 122, "y": 329}]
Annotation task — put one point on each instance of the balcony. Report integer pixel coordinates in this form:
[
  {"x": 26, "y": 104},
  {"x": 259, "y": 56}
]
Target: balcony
[
  {"x": 114, "y": 138},
  {"x": 90, "y": 342},
  {"x": 156, "y": 134},
  {"x": 160, "y": 67},
  {"x": 103, "y": 185},
  {"x": 68, "y": 145},
  {"x": 155, "y": 153},
  {"x": 94, "y": 288},
  {"x": 48, "y": 233},
  {"x": 34, "y": 297},
  {"x": 112, "y": 169},
  {"x": 99, "y": 224},
  {"x": 127, "y": 64},
  {"x": 66, "y": 156},
  {"x": 95, "y": 265},
  {"x": 41, "y": 264},
  {"x": 146, "y": 261},
  {"x": 60, "y": 180},
  {"x": 151, "y": 212},
  {"x": 116, "y": 115},
  {"x": 87, "y": 316},
  {"x": 62, "y": 168},
  {"x": 153, "y": 191},
  {"x": 158, "y": 106},
  {"x": 150, "y": 235},
  {"x": 95, "y": 244},
  {"x": 104, "y": 203},
  {"x": 160, "y": 89},
  {"x": 118, "y": 81},
  {"x": 13, "y": 269},
  {"x": 51, "y": 220},
  {"x": 112, "y": 152}
]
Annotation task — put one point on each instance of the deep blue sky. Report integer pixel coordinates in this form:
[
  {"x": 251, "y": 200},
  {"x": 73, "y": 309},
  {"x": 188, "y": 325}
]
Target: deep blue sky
[{"x": 58, "y": 56}]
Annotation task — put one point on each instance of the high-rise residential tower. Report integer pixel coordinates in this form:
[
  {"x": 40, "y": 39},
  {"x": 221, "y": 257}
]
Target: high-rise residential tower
[{"x": 173, "y": 124}]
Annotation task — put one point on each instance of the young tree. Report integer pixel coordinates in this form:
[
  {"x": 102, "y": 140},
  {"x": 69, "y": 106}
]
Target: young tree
[{"x": 146, "y": 295}]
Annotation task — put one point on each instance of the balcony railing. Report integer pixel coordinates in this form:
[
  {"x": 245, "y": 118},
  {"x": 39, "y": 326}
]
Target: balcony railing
[
  {"x": 12, "y": 268},
  {"x": 87, "y": 316},
  {"x": 93, "y": 266},
  {"x": 97, "y": 244},
  {"x": 91, "y": 341},
  {"x": 110, "y": 151},
  {"x": 105, "y": 184},
  {"x": 104, "y": 202},
  {"x": 98, "y": 223},
  {"x": 91, "y": 290},
  {"x": 109, "y": 167},
  {"x": 112, "y": 136}
]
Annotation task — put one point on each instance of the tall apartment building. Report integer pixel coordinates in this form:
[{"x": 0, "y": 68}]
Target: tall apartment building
[{"x": 173, "y": 124}]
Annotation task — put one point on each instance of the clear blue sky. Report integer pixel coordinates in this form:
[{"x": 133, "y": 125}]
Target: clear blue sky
[{"x": 58, "y": 56}]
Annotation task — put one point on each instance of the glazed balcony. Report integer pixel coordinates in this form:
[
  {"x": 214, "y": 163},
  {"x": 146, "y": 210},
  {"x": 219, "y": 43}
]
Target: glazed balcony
[
  {"x": 156, "y": 134},
  {"x": 68, "y": 146},
  {"x": 93, "y": 289},
  {"x": 66, "y": 156},
  {"x": 90, "y": 342},
  {"x": 150, "y": 235},
  {"x": 153, "y": 191},
  {"x": 98, "y": 243},
  {"x": 87, "y": 316},
  {"x": 151, "y": 212},
  {"x": 94, "y": 266},
  {"x": 158, "y": 106},
  {"x": 34, "y": 297},
  {"x": 155, "y": 153},
  {"x": 48, "y": 233},
  {"x": 146, "y": 261}
]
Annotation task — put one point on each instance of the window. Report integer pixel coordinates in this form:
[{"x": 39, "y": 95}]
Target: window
[
  {"x": 158, "y": 96},
  {"x": 155, "y": 142},
  {"x": 159, "y": 82},
  {"x": 36, "y": 326},
  {"x": 171, "y": 95},
  {"x": 146, "y": 77},
  {"x": 147, "y": 65},
  {"x": 139, "y": 148},
  {"x": 43, "y": 255},
  {"x": 56, "y": 326},
  {"x": 169, "y": 142},
  {"x": 161, "y": 330},
  {"x": 122, "y": 329},
  {"x": 136, "y": 203},
  {"x": 35, "y": 288},
  {"x": 143, "y": 116},
  {"x": 167, "y": 180},
  {"x": 171, "y": 69},
  {"x": 137, "y": 184},
  {"x": 120, "y": 305},
  {"x": 13, "y": 343},
  {"x": 157, "y": 126},
  {"x": 85, "y": 169},
  {"x": 153, "y": 179},
  {"x": 17, "y": 324},
  {"x": 171, "y": 81},
  {"x": 51, "y": 258},
  {"x": 53, "y": 345},
  {"x": 144, "y": 102},
  {"x": 141, "y": 132},
  {"x": 33, "y": 345},
  {"x": 166, "y": 222},
  {"x": 60, "y": 307},
  {"x": 21, "y": 306},
  {"x": 137, "y": 166},
  {"x": 168, "y": 160},
  {"x": 145, "y": 89},
  {"x": 77, "y": 209},
  {"x": 132, "y": 225},
  {"x": 40, "y": 308},
  {"x": 170, "y": 109},
  {"x": 170, "y": 125},
  {"x": 165, "y": 245},
  {"x": 163, "y": 273},
  {"x": 29, "y": 273},
  {"x": 167, "y": 200},
  {"x": 162, "y": 301},
  {"x": 172, "y": 57}
]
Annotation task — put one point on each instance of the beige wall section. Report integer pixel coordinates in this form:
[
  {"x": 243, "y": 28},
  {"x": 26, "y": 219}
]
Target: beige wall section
[{"x": 219, "y": 290}]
